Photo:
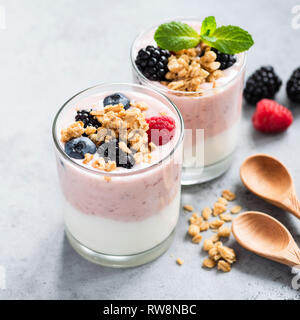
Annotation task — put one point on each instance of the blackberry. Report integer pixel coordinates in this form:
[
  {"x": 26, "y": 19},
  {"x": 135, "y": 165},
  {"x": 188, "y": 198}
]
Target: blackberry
[
  {"x": 86, "y": 117},
  {"x": 263, "y": 83},
  {"x": 111, "y": 151},
  {"x": 226, "y": 60},
  {"x": 293, "y": 86},
  {"x": 153, "y": 62}
]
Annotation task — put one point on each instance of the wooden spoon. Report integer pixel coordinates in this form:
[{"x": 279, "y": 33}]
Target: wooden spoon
[
  {"x": 269, "y": 179},
  {"x": 266, "y": 236}
]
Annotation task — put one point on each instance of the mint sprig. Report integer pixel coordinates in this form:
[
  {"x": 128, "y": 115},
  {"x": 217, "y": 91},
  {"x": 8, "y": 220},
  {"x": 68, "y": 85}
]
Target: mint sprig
[
  {"x": 208, "y": 26},
  {"x": 175, "y": 36}
]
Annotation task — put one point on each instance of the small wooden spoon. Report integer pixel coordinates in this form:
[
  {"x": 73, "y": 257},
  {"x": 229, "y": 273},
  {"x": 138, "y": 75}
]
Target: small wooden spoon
[
  {"x": 266, "y": 236},
  {"x": 269, "y": 179}
]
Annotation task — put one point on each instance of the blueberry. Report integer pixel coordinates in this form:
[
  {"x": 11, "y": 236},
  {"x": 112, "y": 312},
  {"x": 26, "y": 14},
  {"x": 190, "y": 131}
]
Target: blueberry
[
  {"x": 117, "y": 98},
  {"x": 78, "y": 147}
]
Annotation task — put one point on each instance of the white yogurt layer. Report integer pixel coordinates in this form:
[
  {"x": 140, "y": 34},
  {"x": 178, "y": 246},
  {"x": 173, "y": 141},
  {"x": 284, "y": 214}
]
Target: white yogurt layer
[
  {"x": 212, "y": 149},
  {"x": 121, "y": 238}
]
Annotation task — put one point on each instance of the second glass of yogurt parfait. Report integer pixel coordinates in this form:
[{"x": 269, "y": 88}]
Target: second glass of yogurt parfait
[
  {"x": 211, "y": 113},
  {"x": 118, "y": 214}
]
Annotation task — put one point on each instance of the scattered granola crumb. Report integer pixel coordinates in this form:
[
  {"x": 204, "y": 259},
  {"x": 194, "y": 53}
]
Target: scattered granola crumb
[
  {"x": 204, "y": 226},
  {"x": 236, "y": 209},
  {"x": 227, "y": 254},
  {"x": 224, "y": 266},
  {"x": 193, "y": 230},
  {"x": 206, "y": 213},
  {"x": 196, "y": 219},
  {"x": 228, "y": 195},
  {"x": 224, "y": 232},
  {"x": 179, "y": 261},
  {"x": 209, "y": 263},
  {"x": 219, "y": 208},
  {"x": 216, "y": 224},
  {"x": 208, "y": 244},
  {"x": 214, "y": 238},
  {"x": 214, "y": 253},
  {"x": 226, "y": 217},
  {"x": 188, "y": 207},
  {"x": 87, "y": 158},
  {"x": 197, "y": 238},
  {"x": 223, "y": 201}
]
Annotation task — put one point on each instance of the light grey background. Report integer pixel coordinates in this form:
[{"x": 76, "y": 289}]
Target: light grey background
[{"x": 53, "y": 49}]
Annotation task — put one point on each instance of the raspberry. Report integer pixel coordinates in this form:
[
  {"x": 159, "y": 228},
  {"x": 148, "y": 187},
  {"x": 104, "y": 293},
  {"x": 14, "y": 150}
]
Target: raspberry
[
  {"x": 161, "y": 129},
  {"x": 271, "y": 117}
]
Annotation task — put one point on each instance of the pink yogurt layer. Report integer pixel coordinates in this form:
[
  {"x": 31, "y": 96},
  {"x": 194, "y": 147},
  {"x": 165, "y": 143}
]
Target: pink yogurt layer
[
  {"x": 219, "y": 108},
  {"x": 136, "y": 194}
]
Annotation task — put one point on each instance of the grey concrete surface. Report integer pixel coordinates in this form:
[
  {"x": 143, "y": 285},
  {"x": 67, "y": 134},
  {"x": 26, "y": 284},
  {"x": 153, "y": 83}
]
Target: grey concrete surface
[{"x": 50, "y": 50}]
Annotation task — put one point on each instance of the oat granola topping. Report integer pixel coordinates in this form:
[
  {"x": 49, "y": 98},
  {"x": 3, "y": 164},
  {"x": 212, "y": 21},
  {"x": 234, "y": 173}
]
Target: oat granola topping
[
  {"x": 188, "y": 71},
  {"x": 127, "y": 126},
  {"x": 87, "y": 158}
]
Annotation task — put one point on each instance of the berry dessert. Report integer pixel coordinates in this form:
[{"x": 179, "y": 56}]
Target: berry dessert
[
  {"x": 263, "y": 83},
  {"x": 271, "y": 117},
  {"x": 203, "y": 75},
  {"x": 121, "y": 188},
  {"x": 293, "y": 86}
]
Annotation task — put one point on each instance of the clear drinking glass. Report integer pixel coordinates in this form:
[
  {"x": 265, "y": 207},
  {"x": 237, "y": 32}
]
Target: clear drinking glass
[
  {"x": 120, "y": 219},
  {"x": 211, "y": 120}
]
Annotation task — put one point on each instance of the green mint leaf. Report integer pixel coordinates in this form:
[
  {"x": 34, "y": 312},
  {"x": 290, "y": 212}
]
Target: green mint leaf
[
  {"x": 229, "y": 39},
  {"x": 175, "y": 36},
  {"x": 208, "y": 26}
]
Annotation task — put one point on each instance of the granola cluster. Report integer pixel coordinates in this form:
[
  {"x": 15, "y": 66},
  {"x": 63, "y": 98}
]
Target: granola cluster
[
  {"x": 128, "y": 126},
  {"x": 190, "y": 68},
  {"x": 218, "y": 254}
]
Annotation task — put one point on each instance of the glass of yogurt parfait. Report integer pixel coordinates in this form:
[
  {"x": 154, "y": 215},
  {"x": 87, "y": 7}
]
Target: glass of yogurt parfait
[
  {"x": 119, "y": 158},
  {"x": 206, "y": 86}
]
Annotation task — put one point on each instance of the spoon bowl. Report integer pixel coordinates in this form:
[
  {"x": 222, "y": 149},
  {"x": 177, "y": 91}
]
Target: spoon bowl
[
  {"x": 266, "y": 236},
  {"x": 269, "y": 179}
]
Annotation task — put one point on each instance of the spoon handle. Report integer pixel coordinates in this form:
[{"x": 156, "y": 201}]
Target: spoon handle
[
  {"x": 292, "y": 203},
  {"x": 291, "y": 257}
]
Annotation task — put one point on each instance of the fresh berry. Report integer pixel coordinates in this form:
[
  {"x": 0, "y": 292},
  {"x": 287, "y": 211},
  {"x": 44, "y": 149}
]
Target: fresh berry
[
  {"x": 78, "y": 147},
  {"x": 293, "y": 86},
  {"x": 226, "y": 60},
  {"x": 117, "y": 98},
  {"x": 161, "y": 129},
  {"x": 111, "y": 151},
  {"x": 263, "y": 83},
  {"x": 153, "y": 62},
  {"x": 86, "y": 117},
  {"x": 271, "y": 117}
]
